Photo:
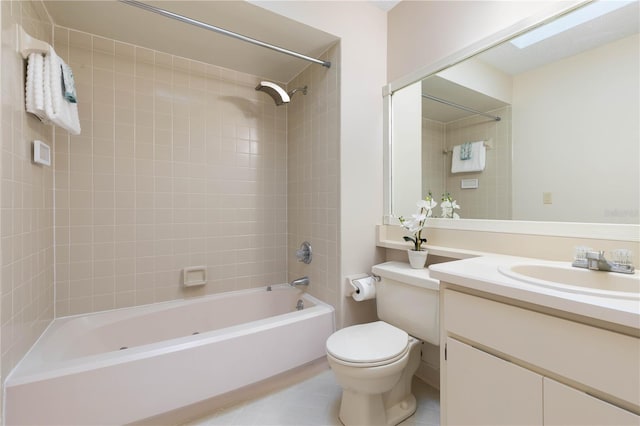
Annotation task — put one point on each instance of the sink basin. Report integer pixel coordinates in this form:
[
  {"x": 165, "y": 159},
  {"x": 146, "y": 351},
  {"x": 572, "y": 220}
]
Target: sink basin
[{"x": 578, "y": 280}]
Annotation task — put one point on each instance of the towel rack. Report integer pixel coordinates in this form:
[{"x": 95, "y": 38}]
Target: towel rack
[
  {"x": 28, "y": 44},
  {"x": 487, "y": 144}
]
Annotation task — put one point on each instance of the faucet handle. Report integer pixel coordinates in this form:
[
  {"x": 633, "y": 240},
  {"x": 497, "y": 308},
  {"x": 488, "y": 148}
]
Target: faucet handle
[{"x": 622, "y": 257}]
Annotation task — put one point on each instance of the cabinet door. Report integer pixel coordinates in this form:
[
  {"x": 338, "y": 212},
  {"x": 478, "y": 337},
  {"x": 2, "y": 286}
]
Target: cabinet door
[
  {"x": 565, "y": 406},
  {"x": 485, "y": 390}
]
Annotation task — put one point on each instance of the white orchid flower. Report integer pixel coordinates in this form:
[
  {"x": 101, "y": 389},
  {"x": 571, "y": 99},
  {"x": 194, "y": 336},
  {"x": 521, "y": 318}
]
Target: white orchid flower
[{"x": 419, "y": 217}]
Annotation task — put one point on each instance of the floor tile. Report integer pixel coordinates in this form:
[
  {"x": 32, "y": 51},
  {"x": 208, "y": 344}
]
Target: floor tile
[{"x": 313, "y": 402}]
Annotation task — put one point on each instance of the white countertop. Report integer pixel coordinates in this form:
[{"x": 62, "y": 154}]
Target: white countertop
[{"x": 482, "y": 274}]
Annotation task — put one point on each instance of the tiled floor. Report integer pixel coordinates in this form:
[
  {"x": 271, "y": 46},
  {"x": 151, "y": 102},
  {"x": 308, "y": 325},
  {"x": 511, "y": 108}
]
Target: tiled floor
[{"x": 313, "y": 402}]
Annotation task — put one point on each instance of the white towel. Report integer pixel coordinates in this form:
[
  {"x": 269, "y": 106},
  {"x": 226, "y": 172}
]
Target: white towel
[
  {"x": 58, "y": 109},
  {"x": 34, "y": 96},
  {"x": 474, "y": 164}
]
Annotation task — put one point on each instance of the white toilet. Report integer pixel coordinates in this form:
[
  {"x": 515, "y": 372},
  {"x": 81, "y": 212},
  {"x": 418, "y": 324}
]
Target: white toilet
[{"x": 375, "y": 362}]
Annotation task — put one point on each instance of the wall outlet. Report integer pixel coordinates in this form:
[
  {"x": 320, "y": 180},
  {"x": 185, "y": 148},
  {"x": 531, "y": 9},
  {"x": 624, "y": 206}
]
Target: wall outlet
[{"x": 547, "y": 198}]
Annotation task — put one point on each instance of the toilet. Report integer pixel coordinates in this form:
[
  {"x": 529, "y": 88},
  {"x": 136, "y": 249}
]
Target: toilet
[{"x": 374, "y": 363}]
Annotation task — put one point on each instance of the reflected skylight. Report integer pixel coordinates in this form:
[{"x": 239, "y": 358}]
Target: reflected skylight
[{"x": 570, "y": 20}]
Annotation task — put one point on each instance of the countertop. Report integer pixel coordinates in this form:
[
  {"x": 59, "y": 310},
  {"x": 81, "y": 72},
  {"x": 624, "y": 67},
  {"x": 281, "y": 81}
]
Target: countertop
[{"x": 481, "y": 274}]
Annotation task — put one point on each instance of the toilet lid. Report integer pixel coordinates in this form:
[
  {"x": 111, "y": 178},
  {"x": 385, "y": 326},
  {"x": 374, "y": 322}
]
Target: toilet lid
[{"x": 372, "y": 342}]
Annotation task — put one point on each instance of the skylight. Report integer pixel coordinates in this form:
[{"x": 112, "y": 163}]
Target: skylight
[{"x": 570, "y": 20}]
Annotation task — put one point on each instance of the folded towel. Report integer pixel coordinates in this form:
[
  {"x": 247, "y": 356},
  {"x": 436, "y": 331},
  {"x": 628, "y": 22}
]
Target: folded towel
[
  {"x": 58, "y": 109},
  {"x": 34, "y": 96},
  {"x": 68, "y": 83},
  {"x": 475, "y": 163}
]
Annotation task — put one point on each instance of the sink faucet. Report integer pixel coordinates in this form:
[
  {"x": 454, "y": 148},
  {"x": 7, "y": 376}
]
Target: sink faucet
[
  {"x": 596, "y": 261},
  {"x": 300, "y": 281}
]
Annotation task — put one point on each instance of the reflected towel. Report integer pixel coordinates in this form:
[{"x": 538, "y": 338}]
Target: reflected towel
[{"x": 475, "y": 163}]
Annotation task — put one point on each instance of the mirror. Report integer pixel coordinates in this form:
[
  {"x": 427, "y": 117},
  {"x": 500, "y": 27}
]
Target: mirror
[{"x": 557, "y": 121}]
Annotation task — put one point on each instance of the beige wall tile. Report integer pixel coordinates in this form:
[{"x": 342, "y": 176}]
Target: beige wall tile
[{"x": 26, "y": 197}]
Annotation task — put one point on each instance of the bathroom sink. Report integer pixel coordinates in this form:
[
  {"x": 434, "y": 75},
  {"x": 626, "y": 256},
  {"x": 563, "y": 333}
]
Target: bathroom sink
[{"x": 577, "y": 280}]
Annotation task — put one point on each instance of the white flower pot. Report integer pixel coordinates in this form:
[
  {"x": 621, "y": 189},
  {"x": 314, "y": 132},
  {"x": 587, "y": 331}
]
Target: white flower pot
[{"x": 417, "y": 259}]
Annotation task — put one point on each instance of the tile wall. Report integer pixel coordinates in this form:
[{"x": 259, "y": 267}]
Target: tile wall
[
  {"x": 433, "y": 168},
  {"x": 313, "y": 177},
  {"x": 26, "y": 200},
  {"x": 179, "y": 164}
]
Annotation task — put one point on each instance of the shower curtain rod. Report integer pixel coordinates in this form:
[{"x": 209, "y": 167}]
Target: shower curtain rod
[
  {"x": 462, "y": 107},
  {"x": 219, "y": 30}
]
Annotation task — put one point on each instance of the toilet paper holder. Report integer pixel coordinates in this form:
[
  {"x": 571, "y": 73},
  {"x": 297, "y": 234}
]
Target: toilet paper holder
[{"x": 352, "y": 288}]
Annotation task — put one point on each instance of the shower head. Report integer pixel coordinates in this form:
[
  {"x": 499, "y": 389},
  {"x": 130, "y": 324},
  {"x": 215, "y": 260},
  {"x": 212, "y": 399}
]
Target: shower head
[{"x": 279, "y": 95}]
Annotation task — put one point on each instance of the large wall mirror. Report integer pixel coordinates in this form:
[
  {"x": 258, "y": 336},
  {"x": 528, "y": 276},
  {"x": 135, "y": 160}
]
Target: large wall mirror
[{"x": 554, "y": 114}]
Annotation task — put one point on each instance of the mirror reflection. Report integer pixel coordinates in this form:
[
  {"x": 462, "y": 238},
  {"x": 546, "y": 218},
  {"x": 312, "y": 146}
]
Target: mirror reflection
[{"x": 543, "y": 127}]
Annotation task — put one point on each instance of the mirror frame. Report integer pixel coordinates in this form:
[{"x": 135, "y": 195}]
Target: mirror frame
[{"x": 606, "y": 231}]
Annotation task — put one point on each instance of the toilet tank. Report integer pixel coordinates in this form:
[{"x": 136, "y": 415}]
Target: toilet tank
[{"x": 409, "y": 299}]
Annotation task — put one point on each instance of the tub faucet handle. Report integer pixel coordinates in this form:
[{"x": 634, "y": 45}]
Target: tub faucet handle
[{"x": 304, "y": 253}]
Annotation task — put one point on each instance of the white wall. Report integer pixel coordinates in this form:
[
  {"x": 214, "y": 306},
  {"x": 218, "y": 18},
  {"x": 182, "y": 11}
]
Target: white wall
[
  {"x": 578, "y": 144},
  {"x": 362, "y": 29}
]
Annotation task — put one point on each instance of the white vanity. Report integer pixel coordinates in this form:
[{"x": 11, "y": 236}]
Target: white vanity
[{"x": 519, "y": 351}]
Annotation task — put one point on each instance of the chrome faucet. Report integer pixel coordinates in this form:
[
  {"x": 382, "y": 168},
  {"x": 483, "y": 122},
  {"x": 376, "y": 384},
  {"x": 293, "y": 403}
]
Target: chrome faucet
[
  {"x": 300, "y": 281},
  {"x": 595, "y": 261}
]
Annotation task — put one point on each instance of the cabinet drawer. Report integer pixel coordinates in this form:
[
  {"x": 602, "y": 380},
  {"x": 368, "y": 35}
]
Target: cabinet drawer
[
  {"x": 564, "y": 406},
  {"x": 599, "y": 359},
  {"x": 485, "y": 390}
]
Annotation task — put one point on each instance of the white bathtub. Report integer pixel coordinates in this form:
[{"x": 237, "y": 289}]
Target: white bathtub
[{"x": 77, "y": 373}]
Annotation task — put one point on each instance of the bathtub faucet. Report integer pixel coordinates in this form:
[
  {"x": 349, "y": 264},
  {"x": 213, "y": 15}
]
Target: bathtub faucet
[{"x": 300, "y": 281}]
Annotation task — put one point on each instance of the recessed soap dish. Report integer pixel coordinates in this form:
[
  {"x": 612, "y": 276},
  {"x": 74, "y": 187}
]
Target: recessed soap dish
[{"x": 194, "y": 276}]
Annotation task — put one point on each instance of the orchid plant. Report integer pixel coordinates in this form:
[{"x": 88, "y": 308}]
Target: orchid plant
[
  {"x": 449, "y": 206},
  {"x": 417, "y": 222}
]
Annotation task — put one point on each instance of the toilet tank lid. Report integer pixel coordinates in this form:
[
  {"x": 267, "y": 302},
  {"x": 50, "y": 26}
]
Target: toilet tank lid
[
  {"x": 404, "y": 273},
  {"x": 367, "y": 343}
]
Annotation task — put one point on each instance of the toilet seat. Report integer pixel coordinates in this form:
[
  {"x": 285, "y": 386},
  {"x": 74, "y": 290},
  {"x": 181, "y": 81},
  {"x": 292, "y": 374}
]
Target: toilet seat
[{"x": 368, "y": 345}]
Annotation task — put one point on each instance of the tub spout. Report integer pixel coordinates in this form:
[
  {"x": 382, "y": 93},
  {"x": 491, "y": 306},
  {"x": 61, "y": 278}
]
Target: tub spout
[{"x": 300, "y": 281}]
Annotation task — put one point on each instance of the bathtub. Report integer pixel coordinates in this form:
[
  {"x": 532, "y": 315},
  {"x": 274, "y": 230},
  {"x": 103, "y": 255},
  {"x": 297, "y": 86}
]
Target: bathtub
[{"x": 125, "y": 365}]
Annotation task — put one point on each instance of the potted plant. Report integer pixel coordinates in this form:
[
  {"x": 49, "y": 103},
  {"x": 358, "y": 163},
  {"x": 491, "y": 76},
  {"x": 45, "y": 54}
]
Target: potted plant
[{"x": 415, "y": 225}]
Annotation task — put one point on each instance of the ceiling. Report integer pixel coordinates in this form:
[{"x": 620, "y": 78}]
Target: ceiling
[
  {"x": 119, "y": 21},
  {"x": 511, "y": 60}
]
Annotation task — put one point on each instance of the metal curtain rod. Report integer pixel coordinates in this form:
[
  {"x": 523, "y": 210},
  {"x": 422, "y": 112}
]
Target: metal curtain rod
[
  {"x": 455, "y": 105},
  {"x": 219, "y": 30}
]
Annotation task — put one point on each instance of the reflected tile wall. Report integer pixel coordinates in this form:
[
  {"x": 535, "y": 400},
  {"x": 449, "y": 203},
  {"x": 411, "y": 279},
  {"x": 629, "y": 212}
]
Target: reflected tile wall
[
  {"x": 26, "y": 200},
  {"x": 179, "y": 164},
  {"x": 433, "y": 168},
  {"x": 492, "y": 198}
]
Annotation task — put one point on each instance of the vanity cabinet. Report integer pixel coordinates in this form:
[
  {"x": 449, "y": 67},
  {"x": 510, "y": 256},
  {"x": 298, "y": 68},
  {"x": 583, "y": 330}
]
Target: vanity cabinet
[
  {"x": 507, "y": 365},
  {"x": 479, "y": 385}
]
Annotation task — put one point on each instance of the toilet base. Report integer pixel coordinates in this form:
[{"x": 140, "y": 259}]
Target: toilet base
[
  {"x": 387, "y": 409},
  {"x": 369, "y": 410},
  {"x": 401, "y": 410}
]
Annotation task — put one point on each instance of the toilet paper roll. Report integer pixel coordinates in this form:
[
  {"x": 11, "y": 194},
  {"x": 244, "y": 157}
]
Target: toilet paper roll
[{"x": 365, "y": 289}]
